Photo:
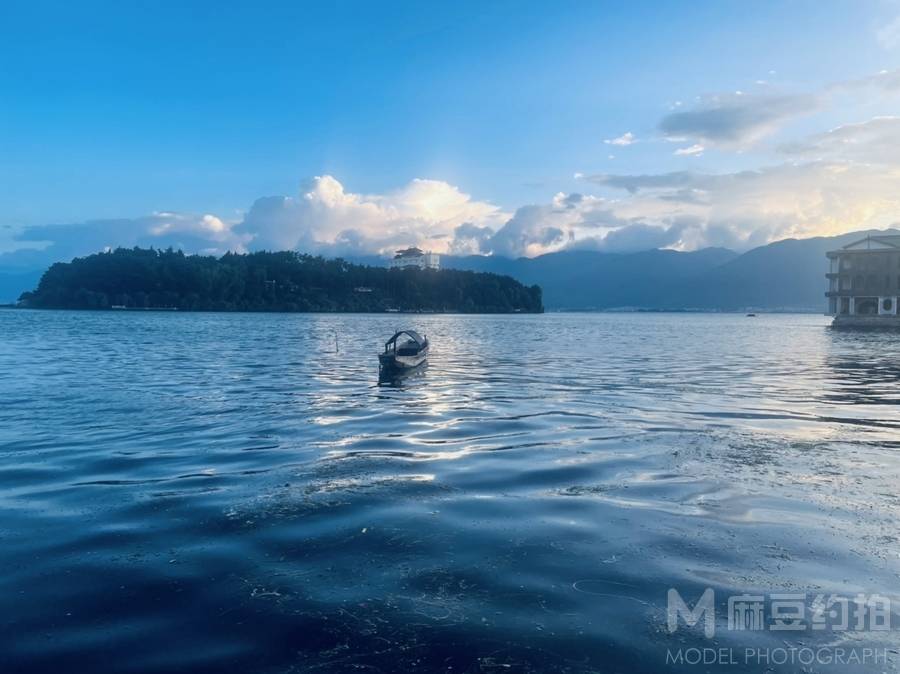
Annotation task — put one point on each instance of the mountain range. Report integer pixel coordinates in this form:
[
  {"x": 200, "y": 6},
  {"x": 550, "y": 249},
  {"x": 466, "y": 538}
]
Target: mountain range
[{"x": 787, "y": 275}]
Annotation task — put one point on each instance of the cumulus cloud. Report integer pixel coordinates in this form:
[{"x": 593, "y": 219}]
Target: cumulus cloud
[
  {"x": 470, "y": 239},
  {"x": 626, "y": 138},
  {"x": 748, "y": 208},
  {"x": 327, "y": 218},
  {"x": 324, "y": 218},
  {"x": 530, "y": 231},
  {"x": 581, "y": 221},
  {"x": 736, "y": 119},
  {"x": 564, "y": 222}
]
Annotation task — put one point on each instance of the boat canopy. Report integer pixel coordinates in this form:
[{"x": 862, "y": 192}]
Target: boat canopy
[{"x": 412, "y": 334}]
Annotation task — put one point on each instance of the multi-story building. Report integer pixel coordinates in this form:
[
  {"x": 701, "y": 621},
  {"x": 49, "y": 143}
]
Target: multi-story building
[
  {"x": 415, "y": 257},
  {"x": 864, "y": 282}
]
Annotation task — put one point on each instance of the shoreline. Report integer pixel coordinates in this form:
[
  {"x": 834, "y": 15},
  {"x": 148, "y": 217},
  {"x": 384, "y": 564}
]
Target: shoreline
[{"x": 724, "y": 312}]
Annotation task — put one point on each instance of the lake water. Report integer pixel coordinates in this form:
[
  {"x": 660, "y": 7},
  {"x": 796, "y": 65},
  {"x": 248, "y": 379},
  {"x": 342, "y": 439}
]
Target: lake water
[{"x": 225, "y": 493}]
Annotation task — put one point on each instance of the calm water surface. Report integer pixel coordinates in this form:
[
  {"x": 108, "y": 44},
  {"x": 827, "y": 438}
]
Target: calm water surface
[{"x": 224, "y": 493}]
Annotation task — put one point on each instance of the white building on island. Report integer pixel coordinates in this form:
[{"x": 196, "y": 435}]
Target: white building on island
[{"x": 415, "y": 257}]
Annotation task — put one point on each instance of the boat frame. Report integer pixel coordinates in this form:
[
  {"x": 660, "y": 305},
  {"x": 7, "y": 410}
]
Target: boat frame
[{"x": 407, "y": 355}]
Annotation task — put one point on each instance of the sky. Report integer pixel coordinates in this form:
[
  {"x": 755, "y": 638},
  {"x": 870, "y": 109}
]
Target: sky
[{"x": 506, "y": 128}]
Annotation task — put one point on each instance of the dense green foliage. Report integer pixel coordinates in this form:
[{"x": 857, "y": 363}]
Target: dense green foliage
[{"x": 285, "y": 281}]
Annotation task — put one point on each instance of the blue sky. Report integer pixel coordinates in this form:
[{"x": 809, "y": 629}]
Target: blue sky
[{"x": 420, "y": 118}]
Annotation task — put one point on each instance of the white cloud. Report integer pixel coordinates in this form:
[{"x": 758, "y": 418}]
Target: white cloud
[
  {"x": 749, "y": 208},
  {"x": 694, "y": 150},
  {"x": 41, "y": 245},
  {"x": 682, "y": 210},
  {"x": 206, "y": 226},
  {"x": 565, "y": 221},
  {"x": 626, "y": 138},
  {"x": 326, "y": 217}
]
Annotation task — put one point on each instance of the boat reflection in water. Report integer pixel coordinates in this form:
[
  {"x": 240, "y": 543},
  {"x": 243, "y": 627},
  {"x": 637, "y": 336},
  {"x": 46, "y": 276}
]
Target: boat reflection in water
[{"x": 401, "y": 378}]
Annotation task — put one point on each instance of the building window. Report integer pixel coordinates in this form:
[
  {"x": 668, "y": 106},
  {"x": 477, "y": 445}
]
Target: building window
[{"x": 866, "y": 306}]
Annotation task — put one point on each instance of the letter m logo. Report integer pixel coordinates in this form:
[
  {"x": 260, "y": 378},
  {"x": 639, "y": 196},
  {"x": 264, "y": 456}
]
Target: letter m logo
[{"x": 704, "y": 608}]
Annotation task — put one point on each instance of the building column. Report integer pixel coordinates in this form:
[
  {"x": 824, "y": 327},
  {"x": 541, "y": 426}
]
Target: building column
[{"x": 852, "y": 311}]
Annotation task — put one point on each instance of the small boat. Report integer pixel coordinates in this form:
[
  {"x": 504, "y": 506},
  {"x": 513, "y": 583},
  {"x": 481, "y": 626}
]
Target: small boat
[
  {"x": 751, "y": 315},
  {"x": 407, "y": 349}
]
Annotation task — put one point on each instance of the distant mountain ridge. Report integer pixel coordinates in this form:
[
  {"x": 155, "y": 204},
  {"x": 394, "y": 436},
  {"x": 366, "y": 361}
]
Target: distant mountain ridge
[
  {"x": 787, "y": 275},
  {"x": 586, "y": 280}
]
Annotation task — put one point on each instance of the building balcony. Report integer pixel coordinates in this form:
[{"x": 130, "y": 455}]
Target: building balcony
[{"x": 865, "y": 292}]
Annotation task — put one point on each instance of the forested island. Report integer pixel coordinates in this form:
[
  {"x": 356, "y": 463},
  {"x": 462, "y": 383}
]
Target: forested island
[{"x": 269, "y": 281}]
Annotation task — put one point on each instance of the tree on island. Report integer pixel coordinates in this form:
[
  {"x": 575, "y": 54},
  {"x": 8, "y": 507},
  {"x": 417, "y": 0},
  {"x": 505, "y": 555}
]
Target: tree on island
[{"x": 140, "y": 278}]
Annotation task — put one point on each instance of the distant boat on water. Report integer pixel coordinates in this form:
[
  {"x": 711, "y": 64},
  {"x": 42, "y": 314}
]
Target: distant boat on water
[{"x": 406, "y": 350}]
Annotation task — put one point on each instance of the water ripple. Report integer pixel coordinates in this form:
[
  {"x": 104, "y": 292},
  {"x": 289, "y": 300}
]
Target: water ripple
[{"x": 223, "y": 493}]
